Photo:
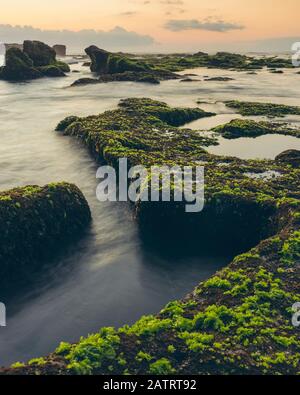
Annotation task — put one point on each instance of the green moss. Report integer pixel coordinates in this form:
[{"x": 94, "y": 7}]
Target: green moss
[
  {"x": 217, "y": 282},
  {"x": 197, "y": 341},
  {"x": 35, "y": 221},
  {"x": 237, "y": 322},
  {"x": 161, "y": 367},
  {"x": 18, "y": 365},
  {"x": 93, "y": 352},
  {"x": 248, "y": 128},
  {"x": 267, "y": 109},
  {"x": 143, "y": 356},
  {"x": 291, "y": 249},
  {"x": 37, "y": 362}
]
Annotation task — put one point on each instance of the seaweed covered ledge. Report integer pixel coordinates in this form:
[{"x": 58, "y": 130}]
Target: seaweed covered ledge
[
  {"x": 240, "y": 320},
  {"x": 36, "y": 223}
]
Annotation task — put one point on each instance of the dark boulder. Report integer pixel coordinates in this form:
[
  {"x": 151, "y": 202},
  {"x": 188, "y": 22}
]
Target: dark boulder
[
  {"x": 52, "y": 71},
  {"x": 99, "y": 59},
  {"x": 35, "y": 224},
  {"x": 40, "y": 53},
  {"x": 18, "y": 66},
  {"x": 104, "y": 62},
  {"x": 291, "y": 157}
]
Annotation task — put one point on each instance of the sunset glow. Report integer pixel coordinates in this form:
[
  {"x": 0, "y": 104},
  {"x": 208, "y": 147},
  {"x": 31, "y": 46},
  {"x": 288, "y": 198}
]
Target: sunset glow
[{"x": 170, "y": 23}]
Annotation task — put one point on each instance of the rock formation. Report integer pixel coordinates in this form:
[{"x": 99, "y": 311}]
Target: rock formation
[
  {"x": 35, "y": 61},
  {"x": 35, "y": 223}
]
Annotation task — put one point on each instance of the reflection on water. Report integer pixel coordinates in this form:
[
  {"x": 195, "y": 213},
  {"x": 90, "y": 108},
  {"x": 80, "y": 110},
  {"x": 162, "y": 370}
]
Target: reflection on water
[
  {"x": 108, "y": 278},
  {"x": 263, "y": 147}
]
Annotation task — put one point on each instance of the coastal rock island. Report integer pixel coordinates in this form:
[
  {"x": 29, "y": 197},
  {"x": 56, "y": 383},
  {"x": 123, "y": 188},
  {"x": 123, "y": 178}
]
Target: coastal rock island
[{"x": 35, "y": 60}]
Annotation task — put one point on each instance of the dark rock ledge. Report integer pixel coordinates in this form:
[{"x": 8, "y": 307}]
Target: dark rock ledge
[{"x": 110, "y": 67}]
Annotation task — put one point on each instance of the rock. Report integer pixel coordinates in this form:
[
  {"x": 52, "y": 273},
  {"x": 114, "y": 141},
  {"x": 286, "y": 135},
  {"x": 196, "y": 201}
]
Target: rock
[
  {"x": 35, "y": 224},
  {"x": 99, "y": 59},
  {"x": 60, "y": 50},
  {"x": 264, "y": 109},
  {"x": 85, "y": 81},
  {"x": 35, "y": 61},
  {"x": 18, "y": 66},
  {"x": 104, "y": 62},
  {"x": 13, "y": 45},
  {"x": 127, "y": 76},
  {"x": 41, "y": 54},
  {"x": 291, "y": 157},
  {"x": 189, "y": 80},
  {"x": 227, "y": 60},
  {"x": 62, "y": 66},
  {"x": 62, "y": 126},
  {"x": 52, "y": 71},
  {"x": 249, "y": 128},
  {"x": 221, "y": 79},
  {"x": 148, "y": 79}
]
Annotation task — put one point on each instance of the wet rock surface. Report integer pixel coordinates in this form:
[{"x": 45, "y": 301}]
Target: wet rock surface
[{"x": 291, "y": 157}]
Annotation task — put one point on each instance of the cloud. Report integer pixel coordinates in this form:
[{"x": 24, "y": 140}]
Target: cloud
[
  {"x": 128, "y": 13},
  {"x": 115, "y": 39},
  {"x": 177, "y": 25}
]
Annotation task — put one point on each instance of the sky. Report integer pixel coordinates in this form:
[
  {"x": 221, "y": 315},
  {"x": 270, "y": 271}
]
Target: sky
[{"x": 155, "y": 25}]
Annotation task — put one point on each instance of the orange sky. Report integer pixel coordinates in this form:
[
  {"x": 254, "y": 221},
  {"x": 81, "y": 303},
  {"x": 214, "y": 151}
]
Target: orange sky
[{"x": 260, "y": 18}]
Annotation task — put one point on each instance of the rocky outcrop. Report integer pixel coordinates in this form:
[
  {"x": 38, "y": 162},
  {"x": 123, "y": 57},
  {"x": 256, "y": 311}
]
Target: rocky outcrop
[
  {"x": 41, "y": 54},
  {"x": 35, "y": 61},
  {"x": 104, "y": 62},
  {"x": 99, "y": 59},
  {"x": 291, "y": 157},
  {"x": 35, "y": 224},
  {"x": 119, "y": 67},
  {"x": 18, "y": 66},
  {"x": 248, "y": 128},
  {"x": 147, "y": 78}
]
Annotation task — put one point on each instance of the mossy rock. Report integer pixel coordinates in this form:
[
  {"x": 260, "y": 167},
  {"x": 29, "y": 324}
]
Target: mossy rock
[
  {"x": 248, "y": 128},
  {"x": 51, "y": 71},
  {"x": 290, "y": 157},
  {"x": 36, "y": 223},
  {"x": 267, "y": 109},
  {"x": 104, "y": 62},
  {"x": 35, "y": 61},
  {"x": 239, "y": 320},
  {"x": 18, "y": 66},
  {"x": 40, "y": 53}
]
